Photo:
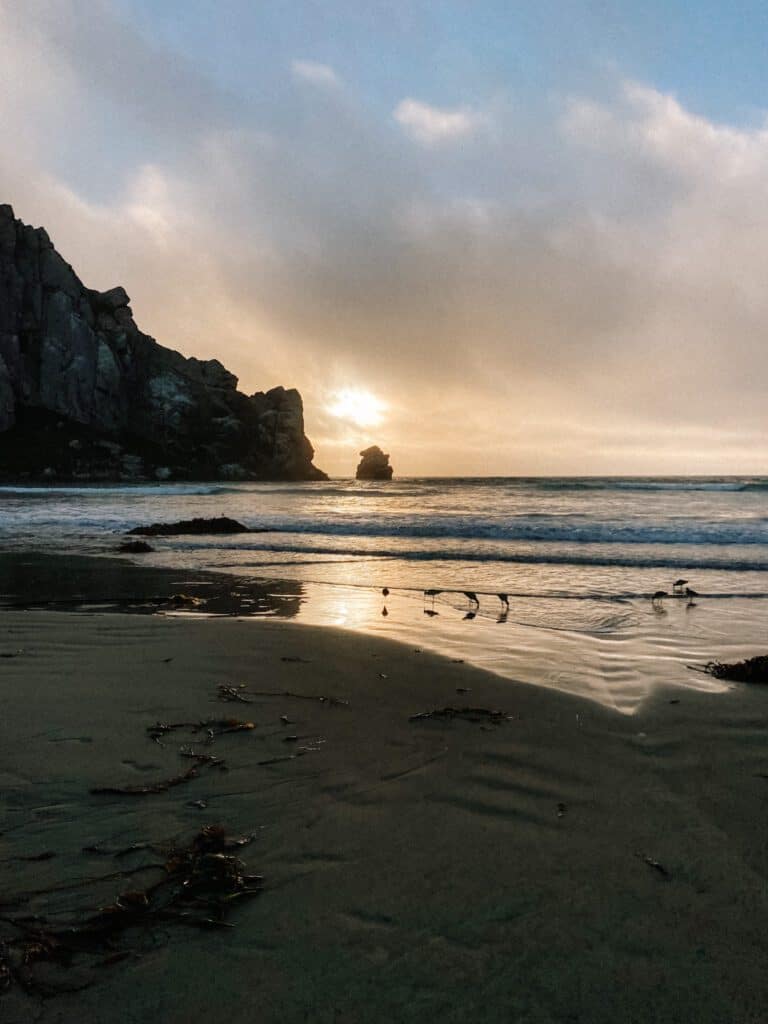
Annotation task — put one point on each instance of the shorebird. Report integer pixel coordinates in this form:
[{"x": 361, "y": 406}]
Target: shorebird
[
  {"x": 678, "y": 584},
  {"x": 659, "y": 596},
  {"x": 690, "y": 592},
  {"x": 432, "y": 593},
  {"x": 472, "y": 596},
  {"x": 504, "y": 599},
  {"x": 385, "y": 591}
]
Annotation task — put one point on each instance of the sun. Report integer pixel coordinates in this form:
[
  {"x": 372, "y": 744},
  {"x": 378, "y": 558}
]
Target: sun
[{"x": 355, "y": 405}]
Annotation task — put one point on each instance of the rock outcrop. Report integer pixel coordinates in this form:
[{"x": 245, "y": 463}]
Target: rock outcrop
[
  {"x": 85, "y": 395},
  {"x": 206, "y": 527},
  {"x": 374, "y": 465}
]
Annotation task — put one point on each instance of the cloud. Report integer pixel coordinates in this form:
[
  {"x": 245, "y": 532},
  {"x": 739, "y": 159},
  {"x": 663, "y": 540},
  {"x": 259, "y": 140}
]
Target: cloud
[
  {"x": 432, "y": 125},
  {"x": 580, "y": 291},
  {"x": 316, "y": 74}
]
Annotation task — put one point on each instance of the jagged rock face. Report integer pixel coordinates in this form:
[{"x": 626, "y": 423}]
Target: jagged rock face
[
  {"x": 374, "y": 465},
  {"x": 84, "y": 394}
]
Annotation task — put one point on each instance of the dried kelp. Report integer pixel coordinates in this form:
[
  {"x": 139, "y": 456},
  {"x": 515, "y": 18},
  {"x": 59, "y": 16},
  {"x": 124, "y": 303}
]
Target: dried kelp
[
  {"x": 152, "y": 787},
  {"x": 652, "y": 863},
  {"x": 751, "y": 670},
  {"x": 242, "y": 695},
  {"x": 211, "y": 726},
  {"x": 232, "y": 694},
  {"x": 209, "y": 760},
  {"x": 495, "y": 716},
  {"x": 200, "y": 883}
]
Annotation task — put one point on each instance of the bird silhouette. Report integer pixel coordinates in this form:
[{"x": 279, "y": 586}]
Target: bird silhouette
[
  {"x": 385, "y": 591},
  {"x": 659, "y": 596},
  {"x": 430, "y": 612},
  {"x": 690, "y": 592},
  {"x": 678, "y": 583},
  {"x": 472, "y": 596},
  {"x": 504, "y": 599},
  {"x": 432, "y": 593}
]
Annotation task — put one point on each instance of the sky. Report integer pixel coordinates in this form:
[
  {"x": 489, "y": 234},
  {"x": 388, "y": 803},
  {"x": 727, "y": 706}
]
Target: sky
[{"x": 495, "y": 238}]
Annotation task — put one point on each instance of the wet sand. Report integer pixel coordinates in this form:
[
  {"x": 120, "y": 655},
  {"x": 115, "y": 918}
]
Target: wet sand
[{"x": 413, "y": 870}]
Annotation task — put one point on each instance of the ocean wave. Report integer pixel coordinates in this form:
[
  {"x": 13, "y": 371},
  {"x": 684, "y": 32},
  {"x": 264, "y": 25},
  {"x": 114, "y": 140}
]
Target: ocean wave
[
  {"x": 683, "y": 560},
  {"x": 310, "y": 488},
  {"x": 115, "y": 490},
  {"x": 568, "y": 529},
  {"x": 630, "y": 484}
]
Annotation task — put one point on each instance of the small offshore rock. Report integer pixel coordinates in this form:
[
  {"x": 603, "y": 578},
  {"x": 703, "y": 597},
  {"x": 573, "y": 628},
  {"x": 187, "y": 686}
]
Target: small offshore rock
[
  {"x": 216, "y": 525},
  {"x": 374, "y": 465},
  {"x": 135, "y": 547}
]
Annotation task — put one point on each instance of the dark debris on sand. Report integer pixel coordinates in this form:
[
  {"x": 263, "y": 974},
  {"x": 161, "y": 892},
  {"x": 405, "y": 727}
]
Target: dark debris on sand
[
  {"x": 751, "y": 670},
  {"x": 201, "y": 881},
  {"x": 496, "y": 717}
]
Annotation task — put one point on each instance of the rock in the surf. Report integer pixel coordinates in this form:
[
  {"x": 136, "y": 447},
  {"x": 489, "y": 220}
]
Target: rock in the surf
[
  {"x": 216, "y": 525},
  {"x": 374, "y": 465}
]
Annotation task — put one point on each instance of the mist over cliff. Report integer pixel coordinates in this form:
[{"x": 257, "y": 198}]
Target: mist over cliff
[{"x": 86, "y": 395}]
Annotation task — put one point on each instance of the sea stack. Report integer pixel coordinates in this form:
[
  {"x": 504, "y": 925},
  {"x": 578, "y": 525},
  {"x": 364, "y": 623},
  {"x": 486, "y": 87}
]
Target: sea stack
[
  {"x": 85, "y": 395},
  {"x": 374, "y": 465}
]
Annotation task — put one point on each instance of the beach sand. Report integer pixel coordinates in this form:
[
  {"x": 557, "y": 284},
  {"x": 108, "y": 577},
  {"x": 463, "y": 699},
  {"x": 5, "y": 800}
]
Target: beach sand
[{"x": 413, "y": 870}]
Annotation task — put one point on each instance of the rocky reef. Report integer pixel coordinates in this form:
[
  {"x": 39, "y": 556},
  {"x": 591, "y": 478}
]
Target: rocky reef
[
  {"x": 85, "y": 395},
  {"x": 374, "y": 465}
]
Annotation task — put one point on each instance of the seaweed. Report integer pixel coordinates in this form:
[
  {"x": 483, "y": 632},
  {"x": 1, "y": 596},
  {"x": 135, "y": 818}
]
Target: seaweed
[
  {"x": 152, "y": 787},
  {"x": 232, "y": 694},
  {"x": 320, "y": 698},
  {"x": 242, "y": 695},
  {"x": 200, "y": 882},
  {"x": 211, "y": 726},
  {"x": 751, "y": 670},
  {"x": 467, "y": 714},
  {"x": 659, "y": 868}
]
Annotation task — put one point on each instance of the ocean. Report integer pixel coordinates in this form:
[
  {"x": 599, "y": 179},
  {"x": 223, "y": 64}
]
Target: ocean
[{"x": 578, "y": 559}]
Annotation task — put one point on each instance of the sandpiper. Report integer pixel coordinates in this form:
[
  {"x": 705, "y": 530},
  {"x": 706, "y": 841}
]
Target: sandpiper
[{"x": 472, "y": 596}]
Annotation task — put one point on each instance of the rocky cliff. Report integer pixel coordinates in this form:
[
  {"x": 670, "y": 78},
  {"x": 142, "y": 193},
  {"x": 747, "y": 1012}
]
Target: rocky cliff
[{"x": 85, "y": 395}]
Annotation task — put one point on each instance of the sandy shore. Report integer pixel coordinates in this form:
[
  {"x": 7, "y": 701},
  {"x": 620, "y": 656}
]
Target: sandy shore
[{"x": 414, "y": 871}]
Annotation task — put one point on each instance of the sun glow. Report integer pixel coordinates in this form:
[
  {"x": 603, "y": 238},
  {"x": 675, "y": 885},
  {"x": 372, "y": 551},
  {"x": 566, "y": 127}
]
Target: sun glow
[{"x": 357, "y": 406}]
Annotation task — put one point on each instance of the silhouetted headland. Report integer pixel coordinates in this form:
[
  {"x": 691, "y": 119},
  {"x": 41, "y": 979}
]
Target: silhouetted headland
[{"x": 85, "y": 395}]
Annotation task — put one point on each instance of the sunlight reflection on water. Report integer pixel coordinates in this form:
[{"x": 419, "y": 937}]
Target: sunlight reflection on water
[{"x": 617, "y": 660}]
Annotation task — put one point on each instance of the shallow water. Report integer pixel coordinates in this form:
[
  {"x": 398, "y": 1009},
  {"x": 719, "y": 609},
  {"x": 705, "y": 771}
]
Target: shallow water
[{"x": 578, "y": 559}]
